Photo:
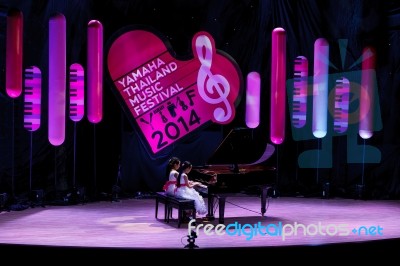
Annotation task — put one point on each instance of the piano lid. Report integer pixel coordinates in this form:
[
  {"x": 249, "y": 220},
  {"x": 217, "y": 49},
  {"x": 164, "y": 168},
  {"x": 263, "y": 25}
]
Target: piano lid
[{"x": 241, "y": 146}]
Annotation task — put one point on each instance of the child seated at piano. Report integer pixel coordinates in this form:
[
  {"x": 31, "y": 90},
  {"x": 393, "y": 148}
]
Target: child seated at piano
[
  {"x": 172, "y": 174},
  {"x": 185, "y": 188}
]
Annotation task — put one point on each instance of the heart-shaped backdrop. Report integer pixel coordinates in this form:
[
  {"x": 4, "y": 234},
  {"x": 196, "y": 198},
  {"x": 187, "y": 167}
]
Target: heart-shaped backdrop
[{"x": 169, "y": 98}]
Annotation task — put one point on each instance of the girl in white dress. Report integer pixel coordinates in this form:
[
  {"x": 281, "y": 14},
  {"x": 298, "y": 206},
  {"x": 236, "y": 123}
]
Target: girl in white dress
[
  {"x": 185, "y": 189},
  {"x": 172, "y": 173}
]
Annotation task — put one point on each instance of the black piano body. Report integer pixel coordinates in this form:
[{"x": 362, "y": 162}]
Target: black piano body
[{"x": 237, "y": 167}]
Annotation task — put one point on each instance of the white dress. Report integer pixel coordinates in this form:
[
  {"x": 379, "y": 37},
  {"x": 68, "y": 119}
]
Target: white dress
[
  {"x": 170, "y": 185},
  {"x": 186, "y": 192}
]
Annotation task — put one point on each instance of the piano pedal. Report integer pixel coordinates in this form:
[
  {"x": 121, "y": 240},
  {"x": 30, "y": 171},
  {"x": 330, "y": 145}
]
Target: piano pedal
[{"x": 207, "y": 219}]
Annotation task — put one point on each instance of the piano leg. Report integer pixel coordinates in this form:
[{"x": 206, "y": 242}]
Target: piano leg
[
  {"x": 210, "y": 207},
  {"x": 264, "y": 193},
  {"x": 221, "y": 203},
  {"x": 221, "y": 207}
]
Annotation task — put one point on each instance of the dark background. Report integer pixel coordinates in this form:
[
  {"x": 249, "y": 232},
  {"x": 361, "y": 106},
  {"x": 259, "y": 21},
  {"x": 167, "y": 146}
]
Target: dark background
[{"x": 111, "y": 154}]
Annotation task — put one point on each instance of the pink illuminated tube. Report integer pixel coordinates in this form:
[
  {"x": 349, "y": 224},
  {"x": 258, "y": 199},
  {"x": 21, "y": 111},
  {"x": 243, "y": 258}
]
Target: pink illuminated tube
[
  {"x": 253, "y": 100},
  {"x": 14, "y": 39},
  {"x": 95, "y": 72},
  {"x": 320, "y": 88},
  {"x": 278, "y": 90},
  {"x": 367, "y": 94},
  {"x": 57, "y": 79}
]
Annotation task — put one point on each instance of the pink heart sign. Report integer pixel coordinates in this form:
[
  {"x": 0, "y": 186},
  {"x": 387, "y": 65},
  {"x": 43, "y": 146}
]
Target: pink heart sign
[{"x": 169, "y": 98}]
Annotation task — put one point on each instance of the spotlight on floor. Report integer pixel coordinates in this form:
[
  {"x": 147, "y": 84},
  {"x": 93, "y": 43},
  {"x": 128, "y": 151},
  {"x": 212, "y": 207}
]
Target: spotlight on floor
[
  {"x": 191, "y": 240},
  {"x": 360, "y": 191},
  {"x": 3, "y": 202},
  {"x": 114, "y": 193},
  {"x": 76, "y": 196},
  {"x": 36, "y": 198},
  {"x": 326, "y": 188},
  {"x": 80, "y": 194}
]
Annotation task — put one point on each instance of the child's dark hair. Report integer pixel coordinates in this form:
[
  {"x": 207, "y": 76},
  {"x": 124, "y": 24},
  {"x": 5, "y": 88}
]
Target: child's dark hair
[
  {"x": 171, "y": 162},
  {"x": 185, "y": 165}
]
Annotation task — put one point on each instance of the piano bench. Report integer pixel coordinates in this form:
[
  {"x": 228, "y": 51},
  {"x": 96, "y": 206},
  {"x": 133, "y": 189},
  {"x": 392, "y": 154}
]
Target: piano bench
[
  {"x": 170, "y": 202},
  {"x": 162, "y": 197}
]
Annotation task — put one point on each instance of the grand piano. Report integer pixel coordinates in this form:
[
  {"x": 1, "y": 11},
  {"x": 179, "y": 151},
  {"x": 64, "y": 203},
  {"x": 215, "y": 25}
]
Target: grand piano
[{"x": 236, "y": 168}]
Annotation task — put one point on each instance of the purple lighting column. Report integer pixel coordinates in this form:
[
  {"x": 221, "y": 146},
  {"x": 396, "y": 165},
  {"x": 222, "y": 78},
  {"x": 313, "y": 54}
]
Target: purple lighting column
[
  {"x": 95, "y": 72},
  {"x": 278, "y": 83},
  {"x": 57, "y": 79},
  {"x": 14, "y": 51},
  {"x": 253, "y": 100}
]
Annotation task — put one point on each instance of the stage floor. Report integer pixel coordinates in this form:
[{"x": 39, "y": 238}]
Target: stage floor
[{"x": 130, "y": 224}]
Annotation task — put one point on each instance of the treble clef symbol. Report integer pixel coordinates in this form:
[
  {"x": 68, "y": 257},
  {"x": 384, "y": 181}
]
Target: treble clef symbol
[{"x": 214, "y": 89}]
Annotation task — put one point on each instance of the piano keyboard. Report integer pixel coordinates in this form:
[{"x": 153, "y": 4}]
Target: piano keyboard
[
  {"x": 300, "y": 92},
  {"x": 76, "y": 92},
  {"x": 341, "y": 114},
  {"x": 32, "y": 98}
]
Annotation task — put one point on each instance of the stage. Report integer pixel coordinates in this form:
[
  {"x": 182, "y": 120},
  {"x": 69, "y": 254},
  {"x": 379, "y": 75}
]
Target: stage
[{"x": 128, "y": 227}]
